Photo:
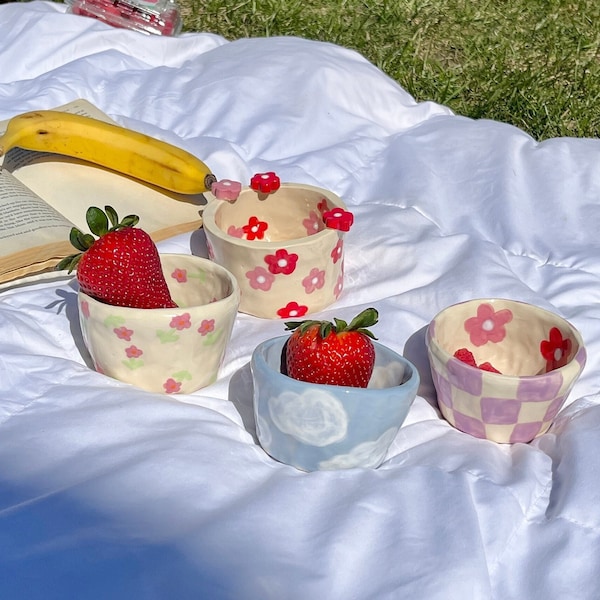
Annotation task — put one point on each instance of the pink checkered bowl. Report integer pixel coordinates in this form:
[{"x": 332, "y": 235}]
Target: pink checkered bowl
[{"x": 515, "y": 367}]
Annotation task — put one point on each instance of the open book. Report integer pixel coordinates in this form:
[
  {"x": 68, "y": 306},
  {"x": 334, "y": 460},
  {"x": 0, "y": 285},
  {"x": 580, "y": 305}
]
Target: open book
[{"x": 42, "y": 196}]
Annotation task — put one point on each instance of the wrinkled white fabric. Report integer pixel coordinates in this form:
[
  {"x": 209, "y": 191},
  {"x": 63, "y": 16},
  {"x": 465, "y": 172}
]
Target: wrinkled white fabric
[{"x": 107, "y": 491}]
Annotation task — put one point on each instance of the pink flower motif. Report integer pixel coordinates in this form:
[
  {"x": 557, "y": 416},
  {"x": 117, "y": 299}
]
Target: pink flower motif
[
  {"x": 210, "y": 250},
  {"x": 206, "y": 326},
  {"x": 339, "y": 286},
  {"x": 133, "y": 352},
  {"x": 488, "y": 325},
  {"x": 339, "y": 219},
  {"x": 292, "y": 309},
  {"x": 180, "y": 322},
  {"x": 260, "y": 279},
  {"x": 123, "y": 333},
  {"x": 85, "y": 308},
  {"x": 314, "y": 281},
  {"x": 338, "y": 251},
  {"x": 265, "y": 183},
  {"x": 555, "y": 349},
  {"x": 171, "y": 386},
  {"x": 282, "y": 262},
  {"x": 234, "y": 231},
  {"x": 255, "y": 230},
  {"x": 179, "y": 275},
  {"x": 312, "y": 223}
]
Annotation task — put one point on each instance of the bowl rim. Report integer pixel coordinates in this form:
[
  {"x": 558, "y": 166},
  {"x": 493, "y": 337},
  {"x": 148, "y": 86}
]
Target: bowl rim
[
  {"x": 233, "y": 296},
  {"x": 210, "y": 225},
  {"x": 413, "y": 381},
  {"x": 433, "y": 345}
]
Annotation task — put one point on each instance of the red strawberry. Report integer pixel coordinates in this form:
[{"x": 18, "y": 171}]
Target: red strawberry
[
  {"x": 122, "y": 267},
  {"x": 466, "y": 356},
  {"x": 332, "y": 353}
]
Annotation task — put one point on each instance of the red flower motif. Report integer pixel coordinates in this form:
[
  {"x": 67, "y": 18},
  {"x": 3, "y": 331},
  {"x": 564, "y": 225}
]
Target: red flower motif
[
  {"x": 181, "y": 322},
  {"x": 265, "y": 183},
  {"x": 171, "y": 386},
  {"x": 133, "y": 352},
  {"x": 337, "y": 252},
  {"x": 338, "y": 218},
  {"x": 85, "y": 308},
  {"x": 282, "y": 261},
  {"x": 488, "y": 325},
  {"x": 179, "y": 275},
  {"x": 123, "y": 333},
  {"x": 255, "y": 230},
  {"x": 292, "y": 309},
  {"x": 555, "y": 349},
  {"x": 322, "y": 206}
]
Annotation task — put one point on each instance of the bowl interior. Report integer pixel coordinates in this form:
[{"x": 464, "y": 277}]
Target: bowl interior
[
  {"x": 292, "y": 212},
  {"x": 516, "y": 338}
]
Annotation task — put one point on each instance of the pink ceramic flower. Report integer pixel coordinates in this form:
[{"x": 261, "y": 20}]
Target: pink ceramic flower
[
  {"x": 181, "y": 322},
  {"x": 226, "y": 189},
  {"x": 314, "y": 281},
  {"x": 337, "y": 251},
  {"x": 179, "y": 275},
  {"x": 292, "y": 310},
  {"x": 488, "y": 325},
  {"x": 338, "y": 218},
  {"x": 260, "y": 279},
  {"x": 265, "y": 183},
  {"x": 255, "y": 230},
  {"x": 123, "y": 333},
  {"x": 312, "y": 223},
  {"x": 133, "y": 352},
  {"x": 171, "y": 386},
  {"x": 555, "y": 349},
  {"x": 206, "y": 326},
  {"x": 234, "y": 231},
  {"x": 282, "y": 261}
]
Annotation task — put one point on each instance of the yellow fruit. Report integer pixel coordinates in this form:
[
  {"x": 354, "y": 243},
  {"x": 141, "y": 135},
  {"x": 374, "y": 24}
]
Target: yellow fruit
[{"x": 122, "y": 150}]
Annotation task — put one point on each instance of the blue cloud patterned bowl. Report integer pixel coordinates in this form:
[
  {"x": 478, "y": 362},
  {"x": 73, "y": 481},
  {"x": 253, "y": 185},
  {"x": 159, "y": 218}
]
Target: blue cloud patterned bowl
[{"x": 323, "y": 427}]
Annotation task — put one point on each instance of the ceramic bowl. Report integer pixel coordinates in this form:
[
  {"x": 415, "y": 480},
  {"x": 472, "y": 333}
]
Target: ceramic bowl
[
  {"x": 172, "y": 350},
  {"x": 286, "y": 261},
  {"x": 538, "y": 353},
  {"x": 324, "y": 427}
]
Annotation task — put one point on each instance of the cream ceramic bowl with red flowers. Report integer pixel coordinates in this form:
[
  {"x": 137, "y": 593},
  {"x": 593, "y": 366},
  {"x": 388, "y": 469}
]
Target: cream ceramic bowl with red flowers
[
  {"x": 168, "y": 350},
  {"x": 538, "y": 354},
  {"x": 285, "y": 247}
]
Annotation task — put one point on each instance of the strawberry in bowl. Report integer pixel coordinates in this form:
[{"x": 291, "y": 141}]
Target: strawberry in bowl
[
  {"x": 159, "y": 322},
  {"x": 329, "y": 396}
]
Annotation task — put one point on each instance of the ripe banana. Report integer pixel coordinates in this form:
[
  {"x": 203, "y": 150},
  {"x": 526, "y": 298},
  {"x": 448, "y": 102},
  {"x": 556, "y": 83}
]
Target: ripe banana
[{"x": 111, "y": 146}]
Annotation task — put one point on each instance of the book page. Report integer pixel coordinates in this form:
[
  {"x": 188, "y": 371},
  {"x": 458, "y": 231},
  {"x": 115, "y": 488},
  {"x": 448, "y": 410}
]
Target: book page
[{"x": 44, "y": 195}]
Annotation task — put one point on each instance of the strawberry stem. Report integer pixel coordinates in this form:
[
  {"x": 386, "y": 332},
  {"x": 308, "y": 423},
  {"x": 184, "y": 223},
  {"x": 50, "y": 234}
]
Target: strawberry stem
[{"x": 367, "y": 318}]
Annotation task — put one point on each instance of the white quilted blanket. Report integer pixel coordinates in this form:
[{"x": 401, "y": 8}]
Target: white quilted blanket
[{"x": 107, "y": 491}]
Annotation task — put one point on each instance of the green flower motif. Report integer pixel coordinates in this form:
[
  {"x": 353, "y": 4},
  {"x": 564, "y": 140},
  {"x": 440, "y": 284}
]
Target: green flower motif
[
  {"x": 181, "y": 375},
  {"x": 113, "y": 321},
  {"x": 133, "y": 363},
  {"x": 167, "y": 337},
  {"x": 212, "y": 338}
]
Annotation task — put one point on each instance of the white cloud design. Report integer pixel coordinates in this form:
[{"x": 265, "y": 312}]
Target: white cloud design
[
  {"x": 314, "y": 417},
  {"x": 367, "y": 454}
]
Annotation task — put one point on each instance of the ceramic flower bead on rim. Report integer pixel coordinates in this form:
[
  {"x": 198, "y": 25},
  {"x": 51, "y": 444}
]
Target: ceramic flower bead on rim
[
  {"x": 168, "y": 350},
  {"x": 283, "y": 242},
  {"x": 503, "y": 369}
]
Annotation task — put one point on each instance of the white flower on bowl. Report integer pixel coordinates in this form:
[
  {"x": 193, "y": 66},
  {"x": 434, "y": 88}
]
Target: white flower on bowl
[{"x": 314, "y": 417}]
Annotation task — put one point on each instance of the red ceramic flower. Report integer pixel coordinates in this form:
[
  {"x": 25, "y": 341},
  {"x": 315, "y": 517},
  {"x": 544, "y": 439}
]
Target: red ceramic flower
[
  {"x": 255, "y": 230},
  {"x": 555, "y": 349},
  {"x": 292, "y": 310},
  {"x": 265, "y": 183},
  {"x": 338, "y": 218},
  {"x": 282, "y": 261}
]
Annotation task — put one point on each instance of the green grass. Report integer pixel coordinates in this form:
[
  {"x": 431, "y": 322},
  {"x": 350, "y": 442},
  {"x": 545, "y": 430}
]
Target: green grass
[{"x": 532, "y": 63}]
